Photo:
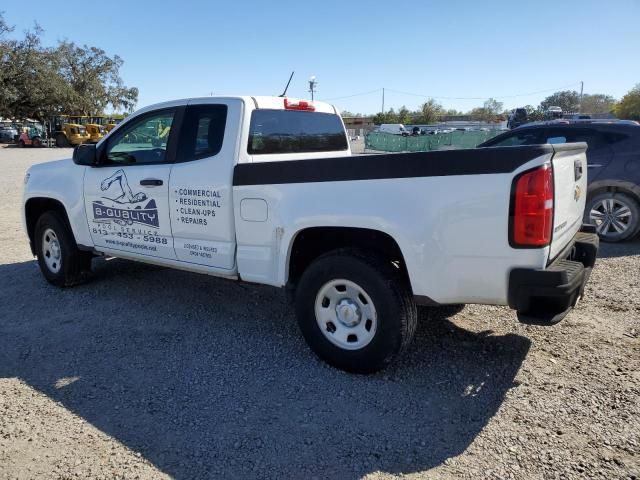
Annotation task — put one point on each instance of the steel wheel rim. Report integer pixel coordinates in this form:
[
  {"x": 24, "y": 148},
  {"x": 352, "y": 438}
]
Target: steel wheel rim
[
  {"x": 51, "y": 252},
  {"x": 346, "y": 314},
  {"x": 611, "y": 216}
]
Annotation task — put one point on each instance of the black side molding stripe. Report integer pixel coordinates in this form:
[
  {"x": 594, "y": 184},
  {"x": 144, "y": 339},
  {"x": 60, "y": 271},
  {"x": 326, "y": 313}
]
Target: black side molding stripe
[{"x": 477, "y": 161}]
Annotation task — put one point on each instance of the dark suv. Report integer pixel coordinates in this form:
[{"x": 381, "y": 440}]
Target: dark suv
[{"x": 613, "y": 158}]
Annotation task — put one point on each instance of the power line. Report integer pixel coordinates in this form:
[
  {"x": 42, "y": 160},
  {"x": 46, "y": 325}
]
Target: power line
[
  {"x": 378, "y": 90},
  {"x": 484, "y": 98},
  {"x": 354, "y": 95}
]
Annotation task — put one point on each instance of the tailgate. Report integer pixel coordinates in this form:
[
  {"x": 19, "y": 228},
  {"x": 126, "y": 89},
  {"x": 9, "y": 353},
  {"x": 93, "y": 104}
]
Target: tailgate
[{"x": 570, "y": 193}]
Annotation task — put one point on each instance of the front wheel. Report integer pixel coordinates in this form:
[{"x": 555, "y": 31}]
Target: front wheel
[
  {"x": 60, "y": 261},
  {"x": 615, "y": 215},
  {"x": 355, "y": 310}
]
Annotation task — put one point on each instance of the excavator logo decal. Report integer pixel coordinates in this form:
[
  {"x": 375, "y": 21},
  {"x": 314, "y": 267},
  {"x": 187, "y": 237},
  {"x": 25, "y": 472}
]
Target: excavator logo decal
[{"x": 124, "y": 207}]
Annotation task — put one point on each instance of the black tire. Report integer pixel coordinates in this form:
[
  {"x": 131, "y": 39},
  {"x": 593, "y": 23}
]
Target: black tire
[
  {"x": 36, "y": 142},
  {"x": 630, "y": 222},
  {"x": 62, "y": 140},
  {"x": 74, "y": 264},
  {"x": 391, "y": 297},
  {"x": 21, "y": 144}
]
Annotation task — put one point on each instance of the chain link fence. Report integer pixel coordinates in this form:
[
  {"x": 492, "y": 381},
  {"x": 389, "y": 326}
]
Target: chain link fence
[{"x": 387, "y": 142}]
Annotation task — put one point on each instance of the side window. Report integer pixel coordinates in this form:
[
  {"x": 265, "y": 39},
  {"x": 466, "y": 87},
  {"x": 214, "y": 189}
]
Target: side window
[
  {"x": 202, "y": 132},
  {"x": 592, "y": 138},
  {"x": 525, "y": 137},
  {"x": 142, "y": 142},
  {"x": 555, "y": 136}
]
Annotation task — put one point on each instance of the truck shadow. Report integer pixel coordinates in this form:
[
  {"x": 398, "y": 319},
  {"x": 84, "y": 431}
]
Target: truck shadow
[
  {"x": 622, "y": 249},
  {"x": 208, "y": 378}
]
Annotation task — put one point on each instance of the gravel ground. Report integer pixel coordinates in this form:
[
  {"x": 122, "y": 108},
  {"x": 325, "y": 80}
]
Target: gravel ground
[{"x": 147, "y": 372}]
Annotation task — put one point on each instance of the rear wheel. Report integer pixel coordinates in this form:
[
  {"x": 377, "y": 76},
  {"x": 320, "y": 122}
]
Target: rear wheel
[
  {"x": 21, "y": 143},
  {"x": 355, "y": 310},
  {"x": 60, "y": 261},
  {"x": 36, "y": 142},
  {"x": 615, "y": 215}
]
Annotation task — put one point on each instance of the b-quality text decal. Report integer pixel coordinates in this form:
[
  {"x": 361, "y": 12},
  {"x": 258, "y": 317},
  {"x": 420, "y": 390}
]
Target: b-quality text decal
[
  {"x": 126, "y": 208},
  {"x": 146, "y": 216},
  {"x": 127, "y": 220}
]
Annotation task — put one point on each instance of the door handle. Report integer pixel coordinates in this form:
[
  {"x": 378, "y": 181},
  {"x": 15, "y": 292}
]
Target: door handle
[
  {"x": 151, "y": 182},
  {"x": 577, "y": 170}
]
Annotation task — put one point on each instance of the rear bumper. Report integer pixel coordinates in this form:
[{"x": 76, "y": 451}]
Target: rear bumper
[{"x": 545, "y": 296}]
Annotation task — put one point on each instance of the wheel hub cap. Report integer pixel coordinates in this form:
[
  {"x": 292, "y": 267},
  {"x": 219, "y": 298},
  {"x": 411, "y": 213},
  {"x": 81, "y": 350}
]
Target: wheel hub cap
[
  {"x": 348, "y": 312},
  {"x": 611, "y": 216},
  {"x": 345, "y": 314},
  {"x": 51, "y": 251},
  {"x": 55, "y": 249}
]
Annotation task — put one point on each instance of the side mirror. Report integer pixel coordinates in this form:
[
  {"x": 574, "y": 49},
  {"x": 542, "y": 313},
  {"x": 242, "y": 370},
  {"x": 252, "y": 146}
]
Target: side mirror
[{"x": 85, "y": 155}]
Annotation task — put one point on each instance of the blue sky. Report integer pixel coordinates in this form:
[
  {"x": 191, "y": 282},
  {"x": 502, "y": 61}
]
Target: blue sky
[{"x": 437, "y": 48}]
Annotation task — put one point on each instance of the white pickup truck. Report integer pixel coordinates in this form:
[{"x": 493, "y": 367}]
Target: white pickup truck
[{"x": 265, "y": 190}]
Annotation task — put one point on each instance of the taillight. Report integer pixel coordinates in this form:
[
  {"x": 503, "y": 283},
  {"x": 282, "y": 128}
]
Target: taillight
[
  {"x": 532, "y": 208},
  {"x": 299, "y": 105}
]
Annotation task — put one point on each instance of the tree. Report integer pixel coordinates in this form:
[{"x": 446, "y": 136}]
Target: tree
[
  {"x": 38, "y": 81},
  {"x": 429, "y": 112},
  {"x": 629, "y": 106},
  {"x": 492, "y": 109},
  {"x": 95, "y": 80},
  {"x": 387, "y": 117},
  {"x": 489, "y": 112},
  {"x": 534, "y": 114},
  {"x": 567, "y": 100},
  {"x": 597, "y": 103},
  {"x": 404, "y": 115},
  {"x": 30, "y": 86}
]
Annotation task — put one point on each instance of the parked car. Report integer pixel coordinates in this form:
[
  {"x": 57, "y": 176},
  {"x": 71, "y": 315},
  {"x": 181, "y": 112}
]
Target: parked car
[
  {"x": 7, "y": 134},
  {"x": 517, "y": 118},
  {"x": 394, "y": 129},
  {"x": 265, "y": 190},
  {"x": 613, "y": 162},
  {"x": 553, "y": 112}
]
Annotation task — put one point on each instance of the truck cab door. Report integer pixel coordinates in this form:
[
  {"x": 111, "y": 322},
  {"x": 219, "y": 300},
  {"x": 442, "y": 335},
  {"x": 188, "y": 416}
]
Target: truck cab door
[
  {"x": 127, "y": 194},
  {"x": 201, "y": 204}
]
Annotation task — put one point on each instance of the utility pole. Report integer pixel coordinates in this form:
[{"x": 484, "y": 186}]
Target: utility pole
[
  {"x": 383, "y": 100},
  {"x": 581, "y": 90},
  {"x": 313, "y": 83}
]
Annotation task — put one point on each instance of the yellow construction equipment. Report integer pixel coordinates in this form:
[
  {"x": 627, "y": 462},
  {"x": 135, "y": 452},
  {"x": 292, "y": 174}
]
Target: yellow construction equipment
[
  {"x": 68, "y": 130},
  {"x": 112, "y": 121},
  {"x": 97, "y": 128}
]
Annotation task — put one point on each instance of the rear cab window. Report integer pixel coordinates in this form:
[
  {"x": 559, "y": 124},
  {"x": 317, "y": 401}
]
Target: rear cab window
[{"x": 275, "y": 131}]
